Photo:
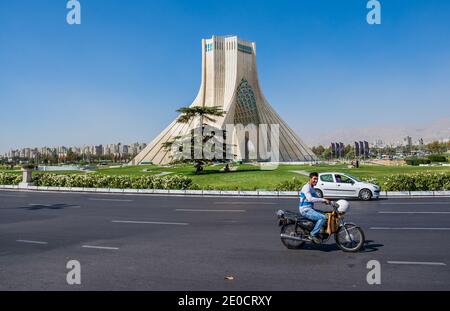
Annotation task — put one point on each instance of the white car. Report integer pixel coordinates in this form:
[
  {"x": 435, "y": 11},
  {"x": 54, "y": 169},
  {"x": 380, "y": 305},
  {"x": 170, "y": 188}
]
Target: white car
[{"x": 345, "y": 185}]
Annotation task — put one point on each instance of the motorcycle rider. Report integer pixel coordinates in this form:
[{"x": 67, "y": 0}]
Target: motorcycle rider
[{"x": 308, "y": 197}]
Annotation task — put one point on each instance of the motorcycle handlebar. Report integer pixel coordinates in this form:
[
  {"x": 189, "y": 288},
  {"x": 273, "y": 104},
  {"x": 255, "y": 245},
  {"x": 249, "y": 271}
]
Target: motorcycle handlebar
[{"x": 334, "y": 205}]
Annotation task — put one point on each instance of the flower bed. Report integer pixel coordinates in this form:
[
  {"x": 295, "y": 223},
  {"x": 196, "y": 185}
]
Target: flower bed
[
  {"x": 428, "y": 181},
  {"x": 103, "y": 181}
]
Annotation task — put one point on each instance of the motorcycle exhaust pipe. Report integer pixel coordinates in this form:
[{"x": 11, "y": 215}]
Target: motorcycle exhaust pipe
[{"x": 290, "y": 237}]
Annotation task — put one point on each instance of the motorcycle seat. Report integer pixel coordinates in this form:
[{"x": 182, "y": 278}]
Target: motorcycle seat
[{"x": 295, "y": 216}]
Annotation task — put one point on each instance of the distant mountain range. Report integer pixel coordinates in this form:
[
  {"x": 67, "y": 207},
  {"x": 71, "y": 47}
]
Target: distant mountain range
[{"x": 391, "y": 134}]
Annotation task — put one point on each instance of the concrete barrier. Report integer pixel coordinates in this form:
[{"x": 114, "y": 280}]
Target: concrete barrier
[
  {"x": 248, "y": 193},
  {"x": 289, "y": 193},
  {"x": 102, "y": 190},
  {"x": 194, "y": 192},
  {"x": 89, "y": 189},
  {"x": 421, "y": 193},
  {"x": 397, "y": 193},
  {"x": 146, "y": 191},
  {"x": 229, "y": 192},
  {"x": 268, "y": 193},
  {"x": 127, "y": 190},
  {"x": 177, "y": 192},
  {"x": 442, "y": 193},
  {"x": 159, "y": 191},
  {"x": 114, "y": 190},
  {"x": 211, "y": 192}
]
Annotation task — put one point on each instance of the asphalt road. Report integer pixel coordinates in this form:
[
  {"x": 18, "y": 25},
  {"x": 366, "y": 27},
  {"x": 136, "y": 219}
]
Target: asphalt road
[{"x": 132, "y": 242}]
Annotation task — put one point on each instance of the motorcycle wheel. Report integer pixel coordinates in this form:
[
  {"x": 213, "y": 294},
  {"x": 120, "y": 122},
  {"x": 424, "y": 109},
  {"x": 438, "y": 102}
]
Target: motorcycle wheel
[
  {"x": 290, "y": 230},
  {"x": 351, "y": 242}
]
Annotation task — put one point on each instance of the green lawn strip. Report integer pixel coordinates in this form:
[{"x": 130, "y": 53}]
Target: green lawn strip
[{"x": 251, "y": 177}]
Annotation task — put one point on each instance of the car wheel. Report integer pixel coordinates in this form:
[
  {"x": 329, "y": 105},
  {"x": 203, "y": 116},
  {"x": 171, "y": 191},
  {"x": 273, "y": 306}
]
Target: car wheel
[
  {"x": 365, "y": 194},
  {"x": 319, "y": 193}
]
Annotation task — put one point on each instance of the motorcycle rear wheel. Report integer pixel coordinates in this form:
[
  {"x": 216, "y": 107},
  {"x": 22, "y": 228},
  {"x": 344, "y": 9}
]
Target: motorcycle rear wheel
[
  {"x": 351, "y": 242},
  {"x": 290, "y": 230}
]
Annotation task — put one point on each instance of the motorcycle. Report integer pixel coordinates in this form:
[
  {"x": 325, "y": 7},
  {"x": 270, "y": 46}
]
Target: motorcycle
[{"x": 295, "y": 229}]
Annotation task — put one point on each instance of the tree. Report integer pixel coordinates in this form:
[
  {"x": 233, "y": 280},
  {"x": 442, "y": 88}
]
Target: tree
[
  {"x": 187, "y": 115},
  {"x": 201, "y": 112},
  {"x": 437, "y": 147},
  {"x": 349, "y": 152},
  {"x": 318, "y": 151},
  {"x": 71, "y": 157},
  {"x": 326, "y": 155}
]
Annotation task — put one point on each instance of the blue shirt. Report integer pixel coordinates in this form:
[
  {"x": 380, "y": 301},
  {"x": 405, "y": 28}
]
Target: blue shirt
[{"x": 308, "y": 197}]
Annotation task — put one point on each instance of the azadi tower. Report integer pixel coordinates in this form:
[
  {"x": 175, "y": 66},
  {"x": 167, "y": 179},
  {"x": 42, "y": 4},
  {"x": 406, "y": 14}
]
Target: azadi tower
[{"x": 230, "y": 80}]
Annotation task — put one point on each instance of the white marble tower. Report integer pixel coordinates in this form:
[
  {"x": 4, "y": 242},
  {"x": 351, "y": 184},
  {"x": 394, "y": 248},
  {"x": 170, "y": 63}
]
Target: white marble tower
[{"x": 230, "y": 80}]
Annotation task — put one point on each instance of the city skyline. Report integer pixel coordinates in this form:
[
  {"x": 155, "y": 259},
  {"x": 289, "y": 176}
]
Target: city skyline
[
  {"x": 126, "y": 69},
  {"x": 135, "y": 148},
  {"x": 62, "y": 150}
]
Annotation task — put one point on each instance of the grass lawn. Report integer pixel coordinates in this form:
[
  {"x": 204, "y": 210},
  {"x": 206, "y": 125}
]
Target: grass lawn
[{"x": 251, "y": 177}]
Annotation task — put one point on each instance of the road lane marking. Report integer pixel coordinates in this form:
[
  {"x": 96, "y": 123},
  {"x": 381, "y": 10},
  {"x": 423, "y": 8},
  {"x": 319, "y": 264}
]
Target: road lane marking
[
  {"x": 389, "y": 212},
  {"x": 150, "y": 222},
  {"x": 415, "y": 203},
  {"x": 398, "y": 228},
  {"x": 56, "y": 206},
  {"x": 211, "y": 210},
  {"x": 13, "y": 195},
  {"x": 112, "y": 200},
  {"x": 32, "y": 242},
  {"x": 417, "y": 263},
  {"x": 243, "y": 203},
  {"x": 100, "y": 247}
]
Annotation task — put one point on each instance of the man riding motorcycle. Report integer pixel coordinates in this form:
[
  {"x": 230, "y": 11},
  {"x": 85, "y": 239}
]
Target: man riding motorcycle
[{"x": 308, "y": 197}]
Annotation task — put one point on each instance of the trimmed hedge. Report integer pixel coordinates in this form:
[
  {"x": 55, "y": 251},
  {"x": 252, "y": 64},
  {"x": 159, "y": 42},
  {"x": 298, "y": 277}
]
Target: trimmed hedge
[
  {"x": 428, "y": 181},
  {"x": 103, "y": 181},
  {"x": 10, "y": 179},
  {"x": 417, "y": 161},
  {"x": 293, "y": 184},
  {"x": 437, "y": 158},
  {"x": 428, "y": 160}
]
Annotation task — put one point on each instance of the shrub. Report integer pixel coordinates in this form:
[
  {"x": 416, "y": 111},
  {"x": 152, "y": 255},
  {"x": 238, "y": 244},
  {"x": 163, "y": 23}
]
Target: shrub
[
  {"x": 437, "y": 158},
  {"x": 103, "y": 181},
  {"x": 10, "y": 179},
  {"x": 106, "y": 181},
  {"x": 294, "y": 184},
  {"x": 417, "y": 161},
  {"x": 428, "y": 181}
]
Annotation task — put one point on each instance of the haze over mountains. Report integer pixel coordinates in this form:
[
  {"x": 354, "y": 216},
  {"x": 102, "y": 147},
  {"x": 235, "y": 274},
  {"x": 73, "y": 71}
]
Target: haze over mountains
[{"x": 439, "y": 129}]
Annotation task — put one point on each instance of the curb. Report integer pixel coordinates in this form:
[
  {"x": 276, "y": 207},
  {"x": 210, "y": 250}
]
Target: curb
[{"x": 258, "y": 193}]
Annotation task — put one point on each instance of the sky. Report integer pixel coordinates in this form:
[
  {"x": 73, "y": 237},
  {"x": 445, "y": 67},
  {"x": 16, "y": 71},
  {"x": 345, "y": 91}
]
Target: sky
[{"x": 122, "y": 73}]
